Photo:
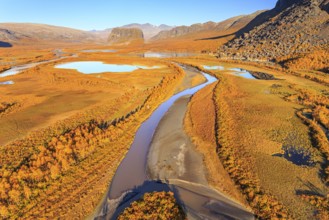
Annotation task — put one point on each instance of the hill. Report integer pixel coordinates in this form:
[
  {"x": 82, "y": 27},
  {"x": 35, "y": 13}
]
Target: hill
[
  {"x": 20, "y": 33},
  {"x": 289, "y": 32},
  {"x": 149, "y": 30},
  {"x": 126, "y": 36}
]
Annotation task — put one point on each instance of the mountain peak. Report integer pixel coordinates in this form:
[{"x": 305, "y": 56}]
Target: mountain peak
[{"x": 282, "y": 4}]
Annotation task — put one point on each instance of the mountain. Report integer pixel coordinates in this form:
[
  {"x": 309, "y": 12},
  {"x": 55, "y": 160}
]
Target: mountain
[
  {"x": 205, "y": 37},
  {"x": 17, "y": 33},
  {"x": 231, "y": 23},
  {"x": 148, "y": 29},
  {"x": 125, "y": 35},
  {"x": 290, "y": 30}
]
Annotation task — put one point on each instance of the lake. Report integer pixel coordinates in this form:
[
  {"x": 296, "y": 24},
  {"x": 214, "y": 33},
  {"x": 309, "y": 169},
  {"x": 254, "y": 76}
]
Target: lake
[{"x": 92, "y": 67}]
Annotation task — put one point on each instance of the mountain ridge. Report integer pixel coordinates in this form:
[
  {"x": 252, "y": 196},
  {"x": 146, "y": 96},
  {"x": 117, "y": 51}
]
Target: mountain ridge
[
  {"x": 207, "y": 26},
  {"x": 28, "y": 32}
]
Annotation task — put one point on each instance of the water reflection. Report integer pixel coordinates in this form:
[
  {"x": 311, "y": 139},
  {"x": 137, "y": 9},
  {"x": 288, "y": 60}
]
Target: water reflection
[
  {"x": 7, "y": 83},
  {"x": 97, "y": 50},
  {"x": 90, "y": 67},
  {"x": 167, "y": 54},
  {"x": 236, "y": 71}
]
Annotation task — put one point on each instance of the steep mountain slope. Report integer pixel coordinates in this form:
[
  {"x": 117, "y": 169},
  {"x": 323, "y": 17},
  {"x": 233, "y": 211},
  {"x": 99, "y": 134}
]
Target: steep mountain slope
[
  {"x": 125, "y": 35},
  {"x": 292, "y": 28},
  {"x": 17, "y": 33}
]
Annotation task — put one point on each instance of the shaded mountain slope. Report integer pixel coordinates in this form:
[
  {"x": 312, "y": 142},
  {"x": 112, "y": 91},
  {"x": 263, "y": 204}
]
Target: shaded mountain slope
[{"x": 293, "y": 27}]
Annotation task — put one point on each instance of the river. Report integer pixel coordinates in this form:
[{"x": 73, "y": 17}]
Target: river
[{"x": 131, "y": 181}]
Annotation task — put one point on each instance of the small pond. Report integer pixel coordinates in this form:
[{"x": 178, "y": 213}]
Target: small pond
[
  {"x": 243, "y": 73},
  {"x": 7, "y": 83},
  {"x": 214, "y": 67},
  {"x": 90, "y": 67},
  {"x": 167, "y": 54}
]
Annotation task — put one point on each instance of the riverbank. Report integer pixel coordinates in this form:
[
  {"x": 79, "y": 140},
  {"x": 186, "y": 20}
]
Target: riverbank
[{"x": 174, "y": 160}]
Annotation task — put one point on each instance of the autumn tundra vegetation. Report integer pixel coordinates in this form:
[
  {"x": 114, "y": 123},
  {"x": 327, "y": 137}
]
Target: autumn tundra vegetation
[
  {"x": 155, "y": 205},
  {"x": 40, "y": 169},
  {"x": 264, "y": 141}
]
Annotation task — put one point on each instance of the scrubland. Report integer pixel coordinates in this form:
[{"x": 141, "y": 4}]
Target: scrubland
[
  {"x": 271, "y": 138},
  {"x": 78, "y": 128},
  {"x": 156, "y": 205}
]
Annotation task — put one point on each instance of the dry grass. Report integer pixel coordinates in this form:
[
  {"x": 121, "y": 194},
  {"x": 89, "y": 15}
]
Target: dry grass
[
  {"x": 48, "y": 171},
  {"x": 200, "y": 126},
  {"x": 42, "y": 93},
  {"x": 154, "y": 205},
  {"x": 254, "y": 123}
]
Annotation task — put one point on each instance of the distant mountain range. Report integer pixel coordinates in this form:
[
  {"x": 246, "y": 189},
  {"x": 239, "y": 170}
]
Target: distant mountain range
[
  {"x": 293, "y": 27},
  {"x": 27, "y": 33},
  {"x": 148, "y": 29},
  {"x": 24, "y": 33},
  {"x": 231, "y": 23}
]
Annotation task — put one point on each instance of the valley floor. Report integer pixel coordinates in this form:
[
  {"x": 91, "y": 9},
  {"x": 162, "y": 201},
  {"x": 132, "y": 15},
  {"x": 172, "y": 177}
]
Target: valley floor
[{"x": 63, "y": 134}]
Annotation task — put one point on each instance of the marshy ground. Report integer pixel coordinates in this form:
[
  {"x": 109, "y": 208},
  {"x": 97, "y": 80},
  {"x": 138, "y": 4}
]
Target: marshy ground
[{"x": 261, "y": 142}]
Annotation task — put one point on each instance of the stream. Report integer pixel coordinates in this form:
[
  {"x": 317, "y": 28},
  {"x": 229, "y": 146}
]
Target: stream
[
  {"x": 131, "y": 181},
  {"x": 17, "y": 69}
]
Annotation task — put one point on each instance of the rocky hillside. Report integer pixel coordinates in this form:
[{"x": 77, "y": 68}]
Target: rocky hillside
[
  {"x": 17, "y": 33},
  {"x": 292, "y": 28},
  {"x": 125, "y": 35},
  {"x": 181, "y": 31}
]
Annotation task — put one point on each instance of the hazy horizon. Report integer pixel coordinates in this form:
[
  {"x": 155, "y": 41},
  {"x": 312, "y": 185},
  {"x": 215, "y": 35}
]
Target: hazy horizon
[{"x": 99, "y": 15}]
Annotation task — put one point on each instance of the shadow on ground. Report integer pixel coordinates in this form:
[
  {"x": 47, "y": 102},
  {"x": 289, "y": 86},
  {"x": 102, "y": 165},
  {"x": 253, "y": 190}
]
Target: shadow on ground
[{"x": 5, "y": 44}]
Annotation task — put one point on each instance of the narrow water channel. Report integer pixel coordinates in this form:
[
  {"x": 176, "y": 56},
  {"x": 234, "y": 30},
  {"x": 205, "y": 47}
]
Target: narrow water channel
[{"x": 132, "y": 170}]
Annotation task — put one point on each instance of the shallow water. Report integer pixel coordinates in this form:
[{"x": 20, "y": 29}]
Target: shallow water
[
  {"x": 91, "y": 67},
  {"x": 237, "y": 71},
  {"x": 17, "y": 69},
  {"x": 243, "y": 73},
  {"x": 130, "y": 181},
  {"x": 95, "y": 51},
  {"x": 166, "y": 54},
  {"x": 214, "y": 67},
  {"x": 7, "y": 83},
  {"x": 136, "y": 159}
]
